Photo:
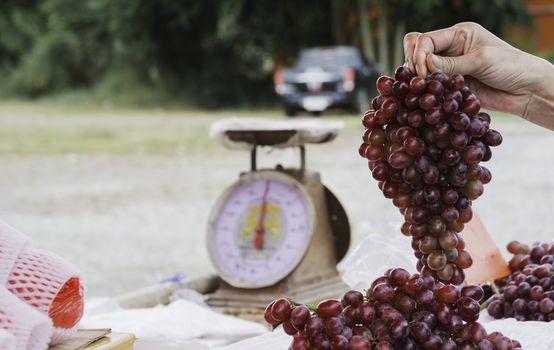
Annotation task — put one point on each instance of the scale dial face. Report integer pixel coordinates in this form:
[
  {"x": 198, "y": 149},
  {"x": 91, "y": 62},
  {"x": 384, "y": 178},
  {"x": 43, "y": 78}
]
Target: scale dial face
[{"x": 260, "y": 229}]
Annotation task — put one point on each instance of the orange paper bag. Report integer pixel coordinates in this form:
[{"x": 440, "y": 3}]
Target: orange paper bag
[{"x": 488, "y": 262}]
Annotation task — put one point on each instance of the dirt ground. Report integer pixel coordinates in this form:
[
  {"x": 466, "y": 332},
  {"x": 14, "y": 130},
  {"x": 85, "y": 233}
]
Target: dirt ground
[{"x": 128, "y": 220}]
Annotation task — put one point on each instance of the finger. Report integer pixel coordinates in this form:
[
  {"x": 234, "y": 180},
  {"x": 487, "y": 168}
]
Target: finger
[
  {"x": 450, "y": 41},
  {"x": 423, "y": 47},
  {"x": 467, "y": 64},
  {"x": 410, "y": 40}
]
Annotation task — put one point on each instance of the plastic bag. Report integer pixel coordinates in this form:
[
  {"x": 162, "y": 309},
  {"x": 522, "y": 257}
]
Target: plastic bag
[
  {"x": 189, "y": 295},
  {"x": 374, "y": 255}
]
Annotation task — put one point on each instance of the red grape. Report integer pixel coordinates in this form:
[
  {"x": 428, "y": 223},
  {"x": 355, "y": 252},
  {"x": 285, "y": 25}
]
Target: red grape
[
  {"x": 450, "y": 105},
  {"x": 428, "y": 101},
  {"x": 455, "y": 82},
  {"x": 299, "y": 316},
  {"x": 384, "y": 85},
  {"x": 400, "y": 89},
  {"x": 460, "y": 121},
  {"x": 268, "y": 315},
  {"x": 329, "y": 308},
  {"x": 400, "y": 160},
  {"x": 281, "y": 309},
  {"x": 403, "y": 74},
  {"x": 434, "y": 116},
  {"x": 417, "y": 85},
  {"x": 492, "y": 138},
  {"x": 435, "y": 87}
]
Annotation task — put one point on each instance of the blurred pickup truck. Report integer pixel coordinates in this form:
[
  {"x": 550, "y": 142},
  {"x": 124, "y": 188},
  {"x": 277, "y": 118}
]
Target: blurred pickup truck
[{"x": 327, "y": 77}]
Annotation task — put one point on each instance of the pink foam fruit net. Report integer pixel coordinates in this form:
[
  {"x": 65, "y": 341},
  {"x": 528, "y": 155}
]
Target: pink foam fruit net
[
  {"x": 52, "y": 286},
  {"x": 30, "y": 328}
]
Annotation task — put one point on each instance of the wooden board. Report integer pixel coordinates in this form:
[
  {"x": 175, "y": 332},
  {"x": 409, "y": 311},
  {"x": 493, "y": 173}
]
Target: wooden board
[
  {"x": 97, "y": 339},
  {"x": 82, "y": 339}
]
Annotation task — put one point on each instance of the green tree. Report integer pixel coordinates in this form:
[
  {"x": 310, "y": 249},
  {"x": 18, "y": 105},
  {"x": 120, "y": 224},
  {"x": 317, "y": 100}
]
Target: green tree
[
  {"x": 216, "y": 53},
  {"x": 421, "y": 16}
]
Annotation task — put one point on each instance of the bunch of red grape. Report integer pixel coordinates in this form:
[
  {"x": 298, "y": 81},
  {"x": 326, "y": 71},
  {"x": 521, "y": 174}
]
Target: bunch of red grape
[
  {"x": 399, "y": 311},
  {"x": 528, "y": 293},
  {"x": 425, "y": 140}
]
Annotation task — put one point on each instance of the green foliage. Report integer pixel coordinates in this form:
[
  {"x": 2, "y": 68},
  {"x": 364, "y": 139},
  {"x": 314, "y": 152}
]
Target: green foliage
[
  {"x": 495, "y": 15},
  {"x": 217, "y": 53}
]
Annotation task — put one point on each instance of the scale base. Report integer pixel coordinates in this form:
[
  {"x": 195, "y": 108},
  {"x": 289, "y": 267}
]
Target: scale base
[{"x": 250, "y": 304}]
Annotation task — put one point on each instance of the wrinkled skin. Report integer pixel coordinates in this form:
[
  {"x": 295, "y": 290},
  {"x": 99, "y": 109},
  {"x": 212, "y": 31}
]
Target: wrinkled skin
[{"x": 504, "y": 77}]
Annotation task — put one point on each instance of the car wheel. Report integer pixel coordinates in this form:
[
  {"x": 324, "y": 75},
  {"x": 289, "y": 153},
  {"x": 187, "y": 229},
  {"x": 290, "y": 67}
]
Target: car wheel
[
  {"x": 361, "y": 101},
  {"x": 290, "y": 111}
]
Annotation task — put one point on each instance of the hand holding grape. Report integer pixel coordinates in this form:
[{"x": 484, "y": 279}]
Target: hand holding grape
[{"x": 505, "y": 78}]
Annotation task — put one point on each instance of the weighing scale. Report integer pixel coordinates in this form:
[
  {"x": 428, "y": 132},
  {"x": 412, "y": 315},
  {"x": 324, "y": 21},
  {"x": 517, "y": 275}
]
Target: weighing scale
[{"x": 276, "y": 231}]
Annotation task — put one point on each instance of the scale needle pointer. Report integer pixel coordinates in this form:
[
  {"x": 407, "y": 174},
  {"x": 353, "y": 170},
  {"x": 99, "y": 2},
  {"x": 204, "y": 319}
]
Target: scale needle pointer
[{"x": 259, "y": 237}]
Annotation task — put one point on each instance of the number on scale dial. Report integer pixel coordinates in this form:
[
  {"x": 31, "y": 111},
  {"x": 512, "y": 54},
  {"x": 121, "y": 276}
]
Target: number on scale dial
[{"x": 261, "y": 231}]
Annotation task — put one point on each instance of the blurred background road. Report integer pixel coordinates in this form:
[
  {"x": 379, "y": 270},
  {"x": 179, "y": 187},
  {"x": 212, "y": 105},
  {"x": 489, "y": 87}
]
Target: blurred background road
[{"x": 105, "y": 107}]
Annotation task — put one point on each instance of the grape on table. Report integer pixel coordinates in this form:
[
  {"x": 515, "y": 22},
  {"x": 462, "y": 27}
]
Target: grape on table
[
  {"x": 398, "y": 311},
  {"x": 528, "y": 292}
]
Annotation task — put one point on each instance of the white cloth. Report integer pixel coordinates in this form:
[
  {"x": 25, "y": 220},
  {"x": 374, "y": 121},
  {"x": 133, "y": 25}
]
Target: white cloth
[
  {"x": 192, "y": 345},
  {"x": 177, "y": 324},
  {"x": 276, "y": 340}
]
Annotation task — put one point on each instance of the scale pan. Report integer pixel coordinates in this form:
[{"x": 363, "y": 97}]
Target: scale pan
[{"x": 245, "y": 133}]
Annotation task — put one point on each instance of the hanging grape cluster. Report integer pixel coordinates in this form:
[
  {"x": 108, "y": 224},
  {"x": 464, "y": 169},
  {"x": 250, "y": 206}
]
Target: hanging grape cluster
[{"x": 425, "y": 140}]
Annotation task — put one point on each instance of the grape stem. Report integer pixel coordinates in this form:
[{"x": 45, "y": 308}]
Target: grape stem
[
  {"x": 311, "y": 307},
  {"x": 494, "y": 288},
  {"x": 488, "y": 301}
]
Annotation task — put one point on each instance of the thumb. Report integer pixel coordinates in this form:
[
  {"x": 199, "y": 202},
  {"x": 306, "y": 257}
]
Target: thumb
[{"x": 464, "y": 65}]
